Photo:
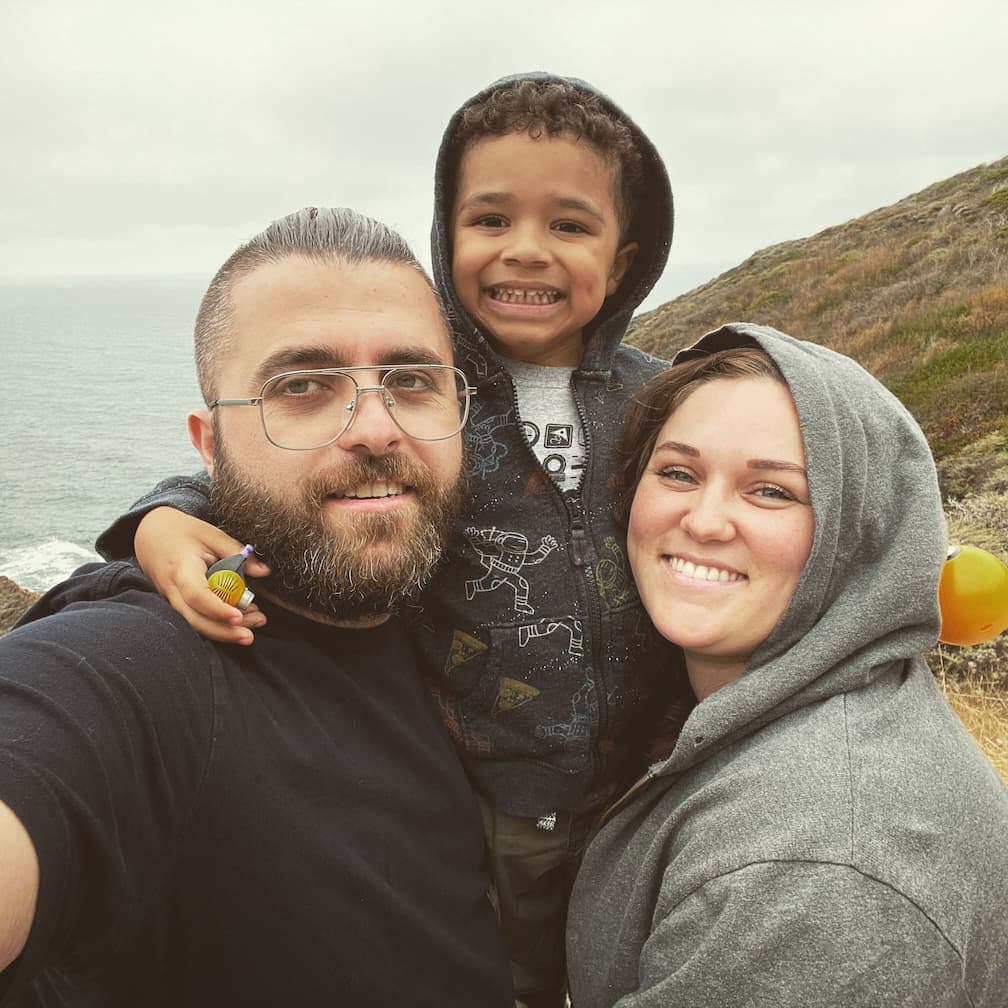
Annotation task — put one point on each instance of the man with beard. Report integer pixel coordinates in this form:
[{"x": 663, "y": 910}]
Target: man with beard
[{"x": 185, "y": 823}]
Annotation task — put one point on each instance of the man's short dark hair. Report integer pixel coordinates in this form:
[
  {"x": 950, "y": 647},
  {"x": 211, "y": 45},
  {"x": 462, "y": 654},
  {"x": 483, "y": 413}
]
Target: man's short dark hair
[{"x": 336, "y": 234}]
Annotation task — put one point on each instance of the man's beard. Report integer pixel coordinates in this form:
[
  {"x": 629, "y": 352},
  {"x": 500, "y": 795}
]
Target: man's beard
[{"x": 343, "y": 566}]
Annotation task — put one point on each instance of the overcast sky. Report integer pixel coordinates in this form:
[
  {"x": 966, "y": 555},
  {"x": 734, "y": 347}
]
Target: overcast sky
[{"x": 152, "y": 138}]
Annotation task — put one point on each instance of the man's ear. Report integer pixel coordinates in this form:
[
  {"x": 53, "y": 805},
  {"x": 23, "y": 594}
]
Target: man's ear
[
  {"x": 623, "y": 261},
  {"x": 201, "y": 433}
]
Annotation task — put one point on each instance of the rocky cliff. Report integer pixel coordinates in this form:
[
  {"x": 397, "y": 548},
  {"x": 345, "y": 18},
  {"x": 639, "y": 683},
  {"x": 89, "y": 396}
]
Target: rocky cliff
[{"x": 14, "y": 600}]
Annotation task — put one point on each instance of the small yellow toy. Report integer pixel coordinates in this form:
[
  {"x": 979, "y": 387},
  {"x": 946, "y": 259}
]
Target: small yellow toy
[{"x": 226, "y": 581}]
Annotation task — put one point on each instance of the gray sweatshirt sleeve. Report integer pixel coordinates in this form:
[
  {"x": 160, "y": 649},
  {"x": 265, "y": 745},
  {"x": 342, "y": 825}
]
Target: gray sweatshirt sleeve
[{"x": 789, "y": 934}]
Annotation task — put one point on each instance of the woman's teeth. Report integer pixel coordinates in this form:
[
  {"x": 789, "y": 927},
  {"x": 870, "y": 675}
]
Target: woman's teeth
[{"x": 701, "y": 573}]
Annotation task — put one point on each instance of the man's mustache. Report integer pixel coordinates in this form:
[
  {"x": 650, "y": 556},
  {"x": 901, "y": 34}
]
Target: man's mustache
[{"x": 369, "y": 469}]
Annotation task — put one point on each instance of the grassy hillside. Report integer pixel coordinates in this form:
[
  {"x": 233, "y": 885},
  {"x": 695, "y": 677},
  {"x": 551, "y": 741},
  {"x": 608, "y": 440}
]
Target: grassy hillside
[{"x": 916, "y": 292}]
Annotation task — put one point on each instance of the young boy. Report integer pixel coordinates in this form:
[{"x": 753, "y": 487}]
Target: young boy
[{"x": 553, "y": 219}]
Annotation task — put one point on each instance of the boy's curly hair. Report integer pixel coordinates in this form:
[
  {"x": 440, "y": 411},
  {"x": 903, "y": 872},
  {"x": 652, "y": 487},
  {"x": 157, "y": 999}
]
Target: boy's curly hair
[{"x": 552, "y": 107}]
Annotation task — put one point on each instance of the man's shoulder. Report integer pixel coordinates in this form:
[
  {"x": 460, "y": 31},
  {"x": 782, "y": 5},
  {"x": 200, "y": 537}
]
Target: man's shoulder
[
  {"x": 97, "y": 584},
  {"x": 108, "y": 610}
]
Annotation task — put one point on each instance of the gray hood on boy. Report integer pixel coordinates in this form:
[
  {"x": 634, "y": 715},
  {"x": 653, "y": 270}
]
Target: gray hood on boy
[
  {"x": 651, "y": 228},
  {"x": 825, "y": 831}
]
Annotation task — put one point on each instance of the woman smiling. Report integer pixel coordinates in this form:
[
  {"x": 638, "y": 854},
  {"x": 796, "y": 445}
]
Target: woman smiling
[
  {"x": 721, "y": 524},
  {"x": 823, "y": 831}
]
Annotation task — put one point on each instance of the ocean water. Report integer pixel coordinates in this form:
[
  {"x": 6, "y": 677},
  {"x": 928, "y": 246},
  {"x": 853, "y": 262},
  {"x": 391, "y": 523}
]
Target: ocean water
[{"x": 98, "y": 378}]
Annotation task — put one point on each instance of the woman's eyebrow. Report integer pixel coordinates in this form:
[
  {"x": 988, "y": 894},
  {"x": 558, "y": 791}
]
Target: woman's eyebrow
[
  {"x": 677, "y": 446},
  {"x": 755, "y": 463},
  {"x": 758, "y": 463}
]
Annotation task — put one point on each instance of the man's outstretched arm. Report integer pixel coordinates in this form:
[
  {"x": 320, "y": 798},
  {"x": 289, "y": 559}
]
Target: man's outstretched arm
[{"x": 19, "y": 882}]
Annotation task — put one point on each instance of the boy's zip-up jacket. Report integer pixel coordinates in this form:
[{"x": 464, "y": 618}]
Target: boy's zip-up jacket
[{"x": 547, "y": 677}]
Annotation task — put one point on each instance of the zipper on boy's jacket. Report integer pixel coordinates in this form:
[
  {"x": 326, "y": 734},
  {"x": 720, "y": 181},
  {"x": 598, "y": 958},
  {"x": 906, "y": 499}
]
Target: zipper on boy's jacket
[
  {"x": 583, "y": 551},
  {"x": 580, "y": 547}
]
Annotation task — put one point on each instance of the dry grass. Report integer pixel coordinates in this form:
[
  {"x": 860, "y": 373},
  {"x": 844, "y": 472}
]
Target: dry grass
[
  {"x": 983, "y": 709},
  {"x": 975, "y": 679}
]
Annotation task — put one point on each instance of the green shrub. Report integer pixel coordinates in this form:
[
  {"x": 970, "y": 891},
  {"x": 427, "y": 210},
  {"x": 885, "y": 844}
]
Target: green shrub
[{"x": 998, "y": 200}]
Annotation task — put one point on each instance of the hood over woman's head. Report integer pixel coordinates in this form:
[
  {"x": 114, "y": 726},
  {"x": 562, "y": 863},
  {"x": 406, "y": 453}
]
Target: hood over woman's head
[{"x": 868, "y": 592}]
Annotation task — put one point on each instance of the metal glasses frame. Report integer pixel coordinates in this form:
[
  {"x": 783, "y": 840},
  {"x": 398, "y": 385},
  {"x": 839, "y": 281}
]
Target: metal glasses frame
[{"x": 466, "y": 392}]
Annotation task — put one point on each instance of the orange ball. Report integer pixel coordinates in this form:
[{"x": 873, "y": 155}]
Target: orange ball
[{"x": 973, "y": 594}]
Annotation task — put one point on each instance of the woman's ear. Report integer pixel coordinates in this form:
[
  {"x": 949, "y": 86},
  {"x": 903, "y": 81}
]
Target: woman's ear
[{"x": 201, "y": 433}]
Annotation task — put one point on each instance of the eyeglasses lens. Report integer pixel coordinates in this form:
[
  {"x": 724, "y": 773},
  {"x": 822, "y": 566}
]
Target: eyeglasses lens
[{"x": 311, "y": 409}]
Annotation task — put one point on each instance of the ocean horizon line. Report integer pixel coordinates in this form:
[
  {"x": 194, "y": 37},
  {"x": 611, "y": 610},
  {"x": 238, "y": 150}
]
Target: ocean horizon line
[{"x": 99, "y": 279}]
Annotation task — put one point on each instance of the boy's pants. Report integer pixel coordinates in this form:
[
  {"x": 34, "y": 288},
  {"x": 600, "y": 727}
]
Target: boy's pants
[{"x": 532, "y": 865}]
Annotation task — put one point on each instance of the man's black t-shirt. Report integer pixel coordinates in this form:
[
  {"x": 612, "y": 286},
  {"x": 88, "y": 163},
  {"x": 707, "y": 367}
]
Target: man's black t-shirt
[{"x": 285, "y": 824}]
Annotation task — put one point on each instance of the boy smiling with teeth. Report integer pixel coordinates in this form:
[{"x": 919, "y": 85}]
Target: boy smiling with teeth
[
  {"x": 538, "y": 241},
  {"x": 553, "y": 220}
]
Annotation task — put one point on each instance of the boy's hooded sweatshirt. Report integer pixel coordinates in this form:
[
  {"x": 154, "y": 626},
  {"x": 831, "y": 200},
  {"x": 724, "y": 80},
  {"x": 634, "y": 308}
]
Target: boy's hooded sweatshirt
[
  {"x": 531, "y": 632},
  {"x": 825, "y": 831},
  {"x": 545, "y": 676}
]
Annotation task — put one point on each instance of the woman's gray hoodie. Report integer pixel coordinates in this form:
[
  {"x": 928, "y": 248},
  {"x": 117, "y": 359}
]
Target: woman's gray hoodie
[{"x": 825, "y": 831}]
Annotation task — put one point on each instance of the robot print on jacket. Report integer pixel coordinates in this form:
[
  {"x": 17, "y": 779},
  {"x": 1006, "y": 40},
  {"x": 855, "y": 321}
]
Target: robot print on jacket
[{"x": 503, "y": 555}]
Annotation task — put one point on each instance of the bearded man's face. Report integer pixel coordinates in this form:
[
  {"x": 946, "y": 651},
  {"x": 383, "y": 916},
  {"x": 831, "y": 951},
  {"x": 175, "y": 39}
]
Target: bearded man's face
[{"x": 351, "y": 528}]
